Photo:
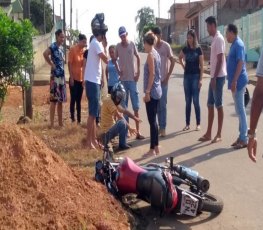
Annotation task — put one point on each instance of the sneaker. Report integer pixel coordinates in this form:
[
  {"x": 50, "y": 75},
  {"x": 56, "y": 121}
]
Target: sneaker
[{"x": 162, "y": 132}]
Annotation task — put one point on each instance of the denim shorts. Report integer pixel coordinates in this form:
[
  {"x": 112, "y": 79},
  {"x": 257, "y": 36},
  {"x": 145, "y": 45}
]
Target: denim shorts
[
  {"x": 215, "y": 97},
  {"x": 93, "y": 95},
  {"x": 132, "y": 90}
]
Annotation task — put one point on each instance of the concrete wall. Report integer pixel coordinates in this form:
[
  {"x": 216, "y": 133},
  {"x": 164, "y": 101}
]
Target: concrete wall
[{"x": 40, "y": 44}]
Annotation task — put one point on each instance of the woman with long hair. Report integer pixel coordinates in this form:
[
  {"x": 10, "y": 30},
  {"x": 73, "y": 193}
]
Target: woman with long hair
[
  {"x": 192, "y": 60},
  {"x": 152, "y": 89}
]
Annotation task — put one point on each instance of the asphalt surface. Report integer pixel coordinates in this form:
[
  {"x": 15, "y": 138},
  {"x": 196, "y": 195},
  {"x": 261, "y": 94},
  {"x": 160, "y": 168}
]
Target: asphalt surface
[{"x": 232, "y": 175}]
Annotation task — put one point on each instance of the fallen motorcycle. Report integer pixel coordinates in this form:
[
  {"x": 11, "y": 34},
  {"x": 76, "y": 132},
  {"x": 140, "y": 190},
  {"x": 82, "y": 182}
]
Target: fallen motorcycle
[{"x": 168, "y": 187}]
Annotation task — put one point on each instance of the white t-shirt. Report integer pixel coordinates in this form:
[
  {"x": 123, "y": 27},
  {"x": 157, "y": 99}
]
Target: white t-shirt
[
  {"x": 260, "y": 66},
  {"x": 218, "y": 47},
  {"x": 93, "y": 65}
]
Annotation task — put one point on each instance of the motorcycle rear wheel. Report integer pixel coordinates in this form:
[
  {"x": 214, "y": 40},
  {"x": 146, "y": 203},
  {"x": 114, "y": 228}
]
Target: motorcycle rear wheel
[{"x": 212, "y": 203}]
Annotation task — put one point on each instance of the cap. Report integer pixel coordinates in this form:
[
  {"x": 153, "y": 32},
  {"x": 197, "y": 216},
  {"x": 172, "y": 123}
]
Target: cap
[{"x": 122, "y": 31}]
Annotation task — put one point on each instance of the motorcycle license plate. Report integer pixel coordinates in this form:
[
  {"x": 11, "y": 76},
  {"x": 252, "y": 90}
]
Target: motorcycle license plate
[{"x": 189, "y": 204}]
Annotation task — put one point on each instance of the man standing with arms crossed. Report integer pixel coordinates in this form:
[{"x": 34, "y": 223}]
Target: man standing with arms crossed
[
  {"x": 256, "y": 109},
  {"x": 218, "y": 75},
  {"x": 125, "y": 51},
  {"x": 166, "y": 54}
]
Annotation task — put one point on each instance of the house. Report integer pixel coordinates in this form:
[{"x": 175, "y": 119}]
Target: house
[
  {"x": 17, "y": 10},
  {"x": 165, "y": 26},
  {"x": 226, "y": 11},
  {"x": 179, "y": 23},
  {"x": 6, "y": 5}
]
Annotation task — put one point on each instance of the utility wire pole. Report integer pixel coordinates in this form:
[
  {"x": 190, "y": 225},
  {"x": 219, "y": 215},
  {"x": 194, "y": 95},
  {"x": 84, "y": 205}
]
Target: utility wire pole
[
  {"x": 28, "y": 91},
  {"x": 64, "y": 29},
  {"x": 44, "y": 17},
  {"x": 70, "y": 14}
]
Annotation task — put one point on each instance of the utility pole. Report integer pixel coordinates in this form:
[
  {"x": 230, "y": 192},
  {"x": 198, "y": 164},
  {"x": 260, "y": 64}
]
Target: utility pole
[
  {"x": 53, "y": 6},
  {"x": 77, "y": 19},
  {"x": 64, "y": 29},
  {"x": 44, "y": 16},
  {"x": 159, "y": 8},
  {"x": 70, "y": 14},
  {"x": 28, "y": 92}
]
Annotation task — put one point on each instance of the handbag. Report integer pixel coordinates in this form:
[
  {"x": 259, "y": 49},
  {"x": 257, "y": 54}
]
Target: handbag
[{"x": 246, "y": 97}]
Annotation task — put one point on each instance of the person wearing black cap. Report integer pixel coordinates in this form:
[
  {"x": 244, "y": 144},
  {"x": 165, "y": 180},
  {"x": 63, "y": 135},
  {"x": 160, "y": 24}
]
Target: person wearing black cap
[
  {"x": 166, "y": 54},
  {"x": 93, "y": 75}
]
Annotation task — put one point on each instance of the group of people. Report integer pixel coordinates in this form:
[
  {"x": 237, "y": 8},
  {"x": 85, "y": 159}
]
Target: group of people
[{"x": 86, "y": 71}]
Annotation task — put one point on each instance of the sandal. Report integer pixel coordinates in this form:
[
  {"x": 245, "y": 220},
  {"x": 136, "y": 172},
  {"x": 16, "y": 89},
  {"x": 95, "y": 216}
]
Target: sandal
[
  {"x": 204, "y": 138},
  {"x": 186, "y": 128},
  {"x": 240, "y": 145},
  {"x": 149, "y": 154},
  {"x": 235, "y": 143},
  {"x": 216, "y": 140},
  {"x": 140, "y": 137}
]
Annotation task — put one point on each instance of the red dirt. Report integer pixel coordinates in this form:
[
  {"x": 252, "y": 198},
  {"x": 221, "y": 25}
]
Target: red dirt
[{"x": 38, "y": 190}]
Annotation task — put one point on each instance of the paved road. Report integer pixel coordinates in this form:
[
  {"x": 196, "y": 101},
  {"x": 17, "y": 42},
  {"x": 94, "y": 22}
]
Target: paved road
[{"x": 231, "y": 173}]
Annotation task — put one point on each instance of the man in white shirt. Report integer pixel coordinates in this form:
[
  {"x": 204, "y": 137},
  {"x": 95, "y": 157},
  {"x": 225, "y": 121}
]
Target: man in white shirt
[
  {"x": 93, "y": 73},
  {"x": 218, "y": 74}
]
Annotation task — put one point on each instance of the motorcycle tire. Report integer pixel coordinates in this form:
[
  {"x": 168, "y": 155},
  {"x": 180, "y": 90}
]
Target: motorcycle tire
[{"x": 212, "y": 203}]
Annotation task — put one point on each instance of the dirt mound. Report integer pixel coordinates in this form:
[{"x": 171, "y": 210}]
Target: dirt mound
[{"x": 39, "y": 191}]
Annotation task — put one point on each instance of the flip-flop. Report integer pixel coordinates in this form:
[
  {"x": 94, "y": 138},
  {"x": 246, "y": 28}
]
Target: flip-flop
[
  {"x": 204, "y": 138},
  {"x": 240, "y": 145},
  {"x": 235, "y": 143},
  {"x": 186, "y": 128},
  {"x": 146, "y": 155},
  {"x": 216, "y": 140},
  {"x": 140, "y": 137}
]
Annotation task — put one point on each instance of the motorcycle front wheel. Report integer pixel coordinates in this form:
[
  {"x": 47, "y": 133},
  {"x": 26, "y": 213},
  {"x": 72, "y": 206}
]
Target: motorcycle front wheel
[{"x": 212, "y": 203}]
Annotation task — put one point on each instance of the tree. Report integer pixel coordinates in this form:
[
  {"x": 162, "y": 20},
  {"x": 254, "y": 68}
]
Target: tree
[
  {"x": 145, "y": 18},
  {"x": 16, "y": 52},
  {"x": 37, "y": 15}
]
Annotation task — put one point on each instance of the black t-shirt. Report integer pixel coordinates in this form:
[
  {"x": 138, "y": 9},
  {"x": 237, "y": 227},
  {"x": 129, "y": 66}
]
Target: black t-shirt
[
  {"x": 85, "y": 55},
  {"x": 192, "y": 60}
]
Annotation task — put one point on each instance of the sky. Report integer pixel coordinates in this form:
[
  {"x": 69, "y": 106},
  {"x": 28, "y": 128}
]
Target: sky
[{"x": 117, "y": 13}]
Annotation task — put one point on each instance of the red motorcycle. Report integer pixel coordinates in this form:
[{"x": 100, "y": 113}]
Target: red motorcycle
[{"x": 165, "y": 187}]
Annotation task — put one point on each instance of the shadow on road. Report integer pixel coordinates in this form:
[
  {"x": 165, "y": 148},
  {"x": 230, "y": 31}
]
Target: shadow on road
[
  {"x": 195, "y": 160},
  {"x": 172, "y": 220}
]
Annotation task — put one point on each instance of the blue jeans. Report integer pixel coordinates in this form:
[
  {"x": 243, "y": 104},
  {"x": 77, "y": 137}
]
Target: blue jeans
[
  {"x": 119, "y": 128},
  {"x": 162, "y": 110},
  {"x": 93, "y": 95},
  {"x": 131, "y": 89},
  {"x": 191, "y": 91},
  {"x": 238, "y": 97}
]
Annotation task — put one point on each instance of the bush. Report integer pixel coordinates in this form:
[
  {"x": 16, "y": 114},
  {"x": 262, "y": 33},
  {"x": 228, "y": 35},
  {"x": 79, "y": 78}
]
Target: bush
[
  {"x": 176, "y": 48},
  {"x": 16, "y": 52}
]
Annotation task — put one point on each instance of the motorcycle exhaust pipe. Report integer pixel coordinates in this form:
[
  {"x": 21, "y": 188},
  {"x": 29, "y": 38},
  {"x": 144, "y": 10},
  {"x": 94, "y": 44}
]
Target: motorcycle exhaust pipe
[{"x": 193, "y": 176}]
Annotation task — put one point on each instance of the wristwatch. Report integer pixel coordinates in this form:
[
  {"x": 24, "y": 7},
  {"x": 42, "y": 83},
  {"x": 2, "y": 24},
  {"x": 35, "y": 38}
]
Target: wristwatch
[{"x": 251, "y": 135}]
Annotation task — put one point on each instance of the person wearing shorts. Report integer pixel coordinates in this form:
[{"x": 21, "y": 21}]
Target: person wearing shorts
[
  {"x": 93, "y": 76},
  {"x": 218, "y": 75},
  {"x": 125, "y": 51}
]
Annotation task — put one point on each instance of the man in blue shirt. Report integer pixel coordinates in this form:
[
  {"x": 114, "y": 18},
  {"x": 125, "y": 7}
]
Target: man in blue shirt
[{"x": 237, "y": 81}]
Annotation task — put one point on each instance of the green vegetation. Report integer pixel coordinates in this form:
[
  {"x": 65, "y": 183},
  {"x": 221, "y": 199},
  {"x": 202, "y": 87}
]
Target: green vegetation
[
  {"x": 146, "y": 20},
  {"x": 37, "y": 15},
  {"x": 16, "y": 52}
]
